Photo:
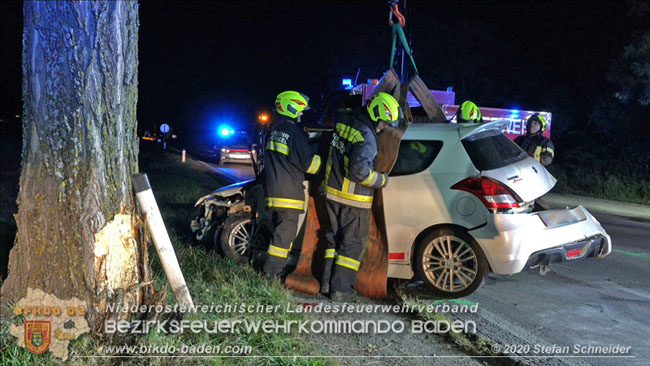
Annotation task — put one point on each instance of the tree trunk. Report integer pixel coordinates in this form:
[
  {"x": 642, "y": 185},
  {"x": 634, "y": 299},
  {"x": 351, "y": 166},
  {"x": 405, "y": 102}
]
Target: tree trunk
[{"x": 77, "y": 222}]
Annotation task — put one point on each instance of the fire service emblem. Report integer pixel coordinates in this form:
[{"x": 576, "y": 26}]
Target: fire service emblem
[{"x": 37, "y": 335}]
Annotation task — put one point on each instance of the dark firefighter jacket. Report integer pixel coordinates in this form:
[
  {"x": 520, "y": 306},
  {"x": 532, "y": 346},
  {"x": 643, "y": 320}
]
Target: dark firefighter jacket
[
  {"x": 288, "y": 157},
  {"x": 537, "y": 147},
  {"x": 349, "y": 176}
]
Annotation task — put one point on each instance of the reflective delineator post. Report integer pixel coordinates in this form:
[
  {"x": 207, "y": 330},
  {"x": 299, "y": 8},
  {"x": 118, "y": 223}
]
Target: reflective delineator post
[
  {"x": 161, "y": 241},
  {"x": 183, "y": 156}
]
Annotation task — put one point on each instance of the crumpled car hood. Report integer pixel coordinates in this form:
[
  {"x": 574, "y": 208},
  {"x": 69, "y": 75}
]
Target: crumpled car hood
[{"x": 224, "y": 192}]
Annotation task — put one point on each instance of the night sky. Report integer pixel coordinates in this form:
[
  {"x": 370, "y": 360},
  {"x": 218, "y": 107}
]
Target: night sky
[{"x": 201, "y": 61}]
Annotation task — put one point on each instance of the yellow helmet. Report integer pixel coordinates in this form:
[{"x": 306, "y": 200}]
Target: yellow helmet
[
  {"x": 469, "y": 112},
  {"x": 540, "y": 118},
  {"x": 291, "y": 103},
  {"x": 384, "y": 107}
]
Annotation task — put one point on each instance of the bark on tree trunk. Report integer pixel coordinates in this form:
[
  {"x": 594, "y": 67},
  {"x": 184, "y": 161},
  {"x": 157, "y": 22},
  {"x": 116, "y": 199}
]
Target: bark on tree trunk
[{"x": 77, "y": 222}]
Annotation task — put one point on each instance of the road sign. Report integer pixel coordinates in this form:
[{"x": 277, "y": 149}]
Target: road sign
[{"x": 164, "y": 128}]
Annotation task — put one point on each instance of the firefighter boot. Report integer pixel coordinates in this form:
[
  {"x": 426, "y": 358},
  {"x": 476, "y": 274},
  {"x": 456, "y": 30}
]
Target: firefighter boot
[
  {"x": 327, "y": 273},
  {"x": 273, "y": 267},
  {"x": 343, "y": 296}
]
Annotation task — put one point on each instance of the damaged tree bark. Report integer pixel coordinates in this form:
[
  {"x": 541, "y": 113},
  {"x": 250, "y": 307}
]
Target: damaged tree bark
[{"x": 77, "y": 224}]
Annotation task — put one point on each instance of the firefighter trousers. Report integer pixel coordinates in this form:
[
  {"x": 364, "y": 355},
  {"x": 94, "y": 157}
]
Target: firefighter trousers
[
  {"x": 285, "y": 223},
  {"x": 345, "y": 235}
]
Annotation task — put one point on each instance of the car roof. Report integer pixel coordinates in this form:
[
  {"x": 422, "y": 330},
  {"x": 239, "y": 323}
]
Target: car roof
[
  {"x": 446, "y": 131},
  {"x": 435, "y": 131}
]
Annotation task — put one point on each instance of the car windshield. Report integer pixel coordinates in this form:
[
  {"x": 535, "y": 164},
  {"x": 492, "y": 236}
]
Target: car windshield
[
  {"x": 237, "y": 140},
  {"x": 492, "y": 149}
]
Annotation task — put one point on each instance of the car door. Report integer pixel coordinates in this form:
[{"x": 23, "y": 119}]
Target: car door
[{"x": 410, "y": 192}]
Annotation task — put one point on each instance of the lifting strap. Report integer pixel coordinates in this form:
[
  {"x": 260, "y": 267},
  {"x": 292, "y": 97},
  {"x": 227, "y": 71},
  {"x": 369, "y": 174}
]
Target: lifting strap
[{"x": 398, "y": 32}]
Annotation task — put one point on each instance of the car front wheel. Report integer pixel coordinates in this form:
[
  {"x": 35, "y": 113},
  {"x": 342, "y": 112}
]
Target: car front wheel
[
  {"x": 451, "y": 263},
  {"x": 235, "y": 237}
]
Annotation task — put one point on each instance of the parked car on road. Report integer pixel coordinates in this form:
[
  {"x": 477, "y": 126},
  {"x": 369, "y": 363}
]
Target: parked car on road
[
  {"x": 234, "y": 149},
  {"x": 461, "y": 203}
]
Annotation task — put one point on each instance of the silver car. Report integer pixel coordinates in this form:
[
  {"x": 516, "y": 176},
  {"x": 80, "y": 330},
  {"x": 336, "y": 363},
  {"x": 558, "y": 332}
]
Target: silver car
[
  {"x": 235, "y": 149},
  {"x": 460, "y": 203}
]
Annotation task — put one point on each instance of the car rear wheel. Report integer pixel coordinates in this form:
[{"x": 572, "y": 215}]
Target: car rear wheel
[
  {"x": 451, "y": 263},
  {"x": 235, "y": 237}
]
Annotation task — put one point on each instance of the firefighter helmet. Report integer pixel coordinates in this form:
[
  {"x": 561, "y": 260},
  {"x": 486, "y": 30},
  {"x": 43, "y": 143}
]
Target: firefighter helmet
[
  {"x": 538, "y": 117},
  {"x": 383, "y": 107},
  {"x": 469, "y": 112},
  {"x": 291, "y": 103}
]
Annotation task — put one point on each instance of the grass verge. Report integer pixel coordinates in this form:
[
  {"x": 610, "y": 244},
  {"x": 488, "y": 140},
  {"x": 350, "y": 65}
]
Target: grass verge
[
  {"x": 472, "y": 344},
  {"x": 606, "y": 181},
  {"x": 211, "y": 280}
]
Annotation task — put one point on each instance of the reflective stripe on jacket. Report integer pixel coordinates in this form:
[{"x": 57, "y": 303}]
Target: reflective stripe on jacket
[
  {"x": 350, "y": 177},
  {"x": 537, "y": 147},
  {"x": 288, "y": 157}
]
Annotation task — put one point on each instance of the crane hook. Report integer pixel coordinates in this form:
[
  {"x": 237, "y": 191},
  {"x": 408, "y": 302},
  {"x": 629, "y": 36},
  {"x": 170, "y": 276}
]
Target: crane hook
[{"x": 395, "y": 11}]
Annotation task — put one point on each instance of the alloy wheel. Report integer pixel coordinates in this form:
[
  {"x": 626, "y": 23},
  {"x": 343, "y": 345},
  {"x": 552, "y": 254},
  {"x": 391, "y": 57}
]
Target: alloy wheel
[
  {"x": 449, "y": 263},
  {"x": 240, "y": 237}
]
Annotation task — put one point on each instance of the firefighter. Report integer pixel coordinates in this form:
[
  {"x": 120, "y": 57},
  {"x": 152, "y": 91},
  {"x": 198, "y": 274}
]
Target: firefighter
[
  {"x": 288, "y": 157},
  {"x": 534, "y": 143},
  {"x": 349, "y": 184},
  {"x": 468, "y": 112}
]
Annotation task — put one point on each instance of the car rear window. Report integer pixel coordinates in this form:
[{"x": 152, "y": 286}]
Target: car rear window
[
  {"x": 492, "y": 149},
  {"x": 415, "y": 156}
]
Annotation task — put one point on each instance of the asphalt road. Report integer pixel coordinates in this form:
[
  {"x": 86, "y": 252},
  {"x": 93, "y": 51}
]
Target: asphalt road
[
  {"x": 596, "y": 302},
  {"x": 590, "y": 302},
  {"x": 233, "y": 172}
]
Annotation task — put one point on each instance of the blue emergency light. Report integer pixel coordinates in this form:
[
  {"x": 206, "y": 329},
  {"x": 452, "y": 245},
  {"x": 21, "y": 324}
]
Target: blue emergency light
[
  {"x": 514, "y": 114},
  {"x": 347, "y": 83},
  {"x": 225, "y": 130}
]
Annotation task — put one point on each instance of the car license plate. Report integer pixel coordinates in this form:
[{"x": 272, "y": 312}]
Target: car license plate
[{"x": 556, "y": 218}]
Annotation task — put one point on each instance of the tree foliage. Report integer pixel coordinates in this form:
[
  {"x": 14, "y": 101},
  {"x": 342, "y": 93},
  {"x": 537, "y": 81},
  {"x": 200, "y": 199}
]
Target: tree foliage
[{"x": 631, "y": 70}]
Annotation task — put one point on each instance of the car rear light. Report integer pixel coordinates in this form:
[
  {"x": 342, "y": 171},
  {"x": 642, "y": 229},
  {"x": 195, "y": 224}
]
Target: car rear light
[
  {"x": 573, "y": 253},
  {"x": 493, "y": 194}
]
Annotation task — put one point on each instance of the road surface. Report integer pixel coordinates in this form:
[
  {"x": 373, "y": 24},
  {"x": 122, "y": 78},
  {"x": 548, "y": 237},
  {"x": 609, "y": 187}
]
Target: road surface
[
  {"x": 591, "y": 302},
  {"x": 232, "y": 172}
]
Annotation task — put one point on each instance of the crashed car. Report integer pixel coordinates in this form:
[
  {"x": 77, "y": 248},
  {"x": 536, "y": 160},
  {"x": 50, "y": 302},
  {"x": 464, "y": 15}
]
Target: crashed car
[
  {"x": 225, "y": 217},
  {"x": 461, "y": 203}
]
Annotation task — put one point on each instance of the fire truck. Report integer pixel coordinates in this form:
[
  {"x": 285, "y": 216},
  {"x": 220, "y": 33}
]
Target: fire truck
[{"x": 358, "y": 94}]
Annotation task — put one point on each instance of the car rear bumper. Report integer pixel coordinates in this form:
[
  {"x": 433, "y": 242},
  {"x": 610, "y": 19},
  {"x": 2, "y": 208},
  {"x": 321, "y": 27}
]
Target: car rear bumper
[
  {"x": 512, "y": 242},
  {"x": 591, "y": 247}
]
